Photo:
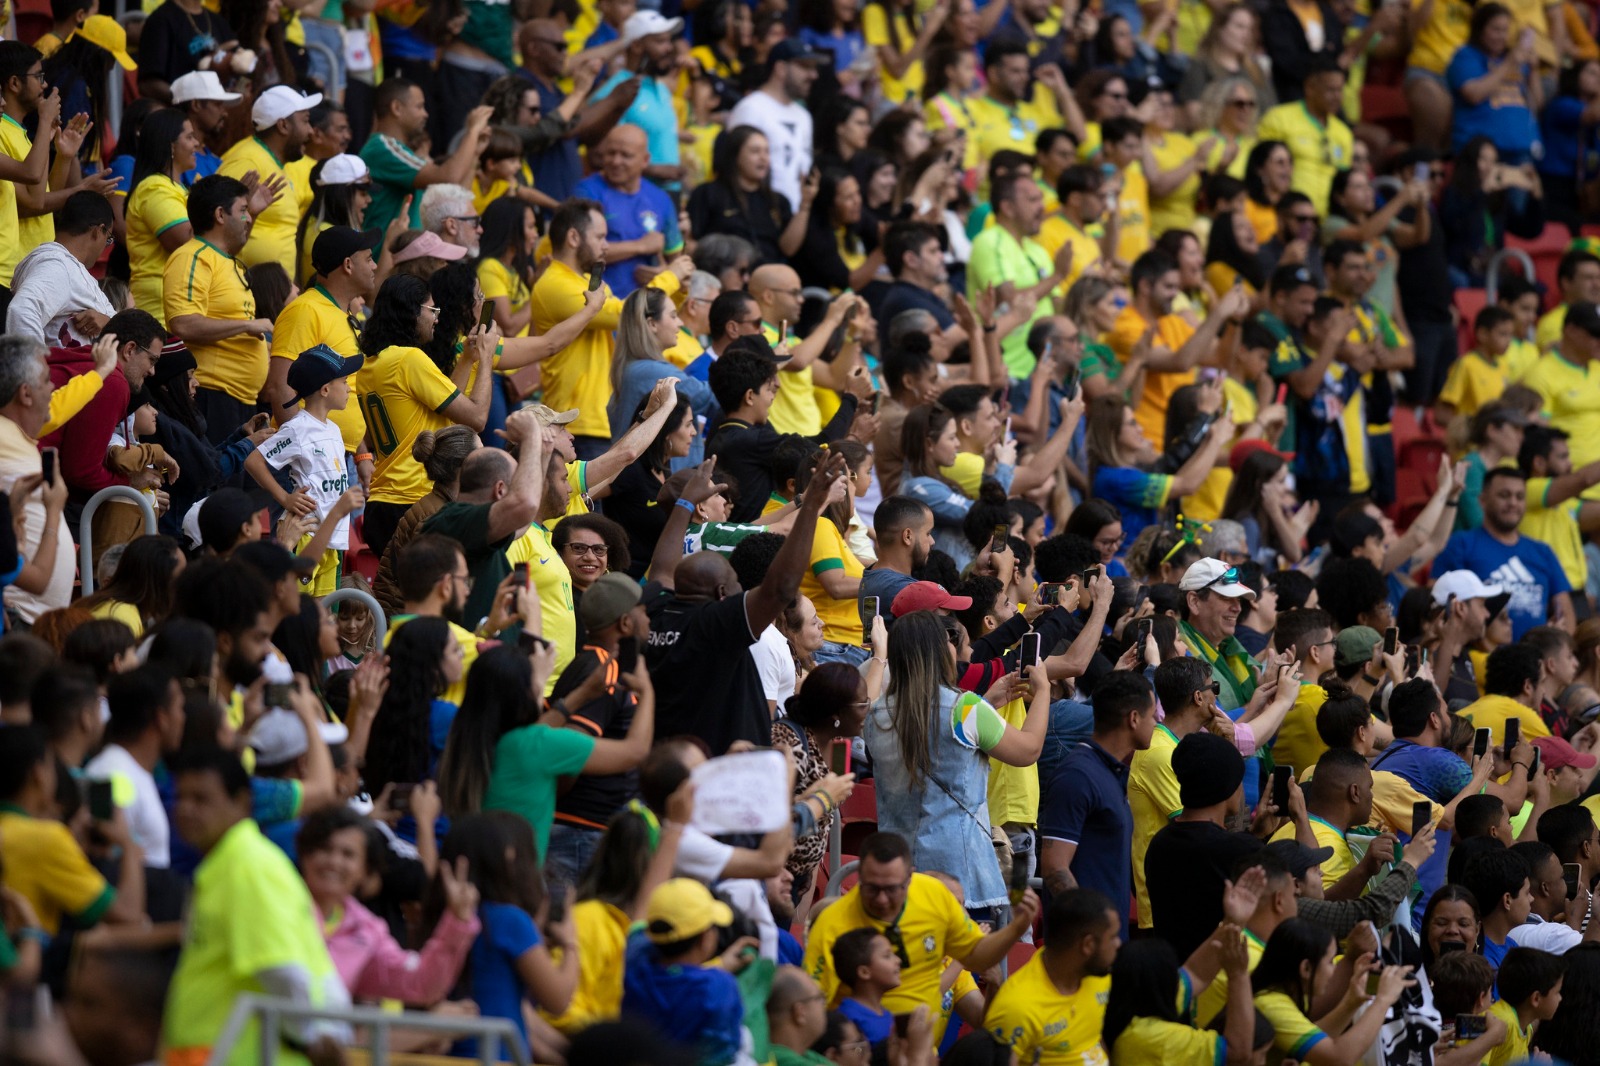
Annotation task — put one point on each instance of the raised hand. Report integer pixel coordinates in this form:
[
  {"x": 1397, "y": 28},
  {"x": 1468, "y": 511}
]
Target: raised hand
[{"x": 460, "y": 894}]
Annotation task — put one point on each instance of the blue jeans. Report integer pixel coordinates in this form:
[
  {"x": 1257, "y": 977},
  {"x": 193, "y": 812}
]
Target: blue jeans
[
  {"x": 568, "y": 854},
  {"x": 1071, "y": 723},
  {"x": 834, "y": 652}
]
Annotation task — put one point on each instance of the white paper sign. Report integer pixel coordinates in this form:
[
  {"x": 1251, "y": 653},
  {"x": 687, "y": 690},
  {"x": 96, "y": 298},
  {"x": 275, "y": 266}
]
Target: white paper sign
[{"x": 743, "y": 793}]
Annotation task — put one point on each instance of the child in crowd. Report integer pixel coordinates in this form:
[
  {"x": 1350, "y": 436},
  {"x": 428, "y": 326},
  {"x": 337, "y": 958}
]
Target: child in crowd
[
  {"x": 1480, "y": 376},
  {"x": 868, "y": 966},
  {"x": 357, "y": 628},
  {"x": 1529, "y": 984},
  {"x": 1463, "y": 985}
]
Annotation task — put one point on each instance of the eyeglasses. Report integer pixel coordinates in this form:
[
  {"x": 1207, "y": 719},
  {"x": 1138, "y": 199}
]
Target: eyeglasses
[
  {"x": 431, "y": 309},
  {"x": 465, "y": 579},
  {"x": 40, "y": 75},
  {"x": 1243, "y": 105},
  {"x": 597, "y": 550},
  {"x": 474, "y": 219},
  {"x": 870, "y": 889},
  {"x": 1325, "y": 643},
  {"x": 856, "y": 1047}
]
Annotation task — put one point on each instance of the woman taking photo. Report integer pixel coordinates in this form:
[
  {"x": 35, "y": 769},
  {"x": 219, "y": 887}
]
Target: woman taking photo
[
  {"x": 400, "y": 382},
  {"x": 140, "y": 592},
  {"x": 158, "y": 202},
  {"x": 839, "y": 251},
  {"x": 649, "y": 326},
  {"x": 1121, "y": 461},
  {"x": 1297, "y": 969},
  {"x": 499, "y": 754},
  {"x": 1227, "y": 51},
  {"x": 829, "y": 710},
  {"x": 1259, "y": 500},
  {"x": 1268, "y": 174},
  {"x": 741, "y": 203},
  {"x": 931, "y": 745},
  {"x": 1227, "y": 112},
  {"x": 633, "y": 499},
  {"x": 1484, "y": 201},
  {"x": 1352, "y": 217},
  {"x": 930, "y": 443}
]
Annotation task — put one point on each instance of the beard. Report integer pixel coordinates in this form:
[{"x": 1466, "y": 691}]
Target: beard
[
  {"x": 241, "y": 670},
  {"x": 452, "y": 611}
]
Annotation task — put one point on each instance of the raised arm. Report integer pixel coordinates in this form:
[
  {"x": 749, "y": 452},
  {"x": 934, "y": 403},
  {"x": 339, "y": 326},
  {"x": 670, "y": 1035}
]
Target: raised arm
[{"x": 782, "y": 583}]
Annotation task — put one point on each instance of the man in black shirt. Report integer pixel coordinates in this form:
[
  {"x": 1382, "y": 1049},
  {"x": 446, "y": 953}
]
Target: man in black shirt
[
  {"x": 1188, "y": 861},
  {"x": 1424, "y": 283},
  {"x": 912, "y": 252},
  {"x": 702, "y": 623},
  {"x": 183, "y": 36},
  {"x": 745, "y": 381}
]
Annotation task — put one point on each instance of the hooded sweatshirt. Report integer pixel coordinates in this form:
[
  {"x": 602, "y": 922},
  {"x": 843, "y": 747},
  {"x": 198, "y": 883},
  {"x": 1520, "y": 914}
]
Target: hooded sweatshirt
[
  {"x": 49, "y": 287},
  {"x": 694, "y": 1005}
]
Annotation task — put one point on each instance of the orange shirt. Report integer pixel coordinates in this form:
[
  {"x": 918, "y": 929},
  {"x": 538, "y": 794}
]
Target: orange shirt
[{"x": 1172, "y": 332}]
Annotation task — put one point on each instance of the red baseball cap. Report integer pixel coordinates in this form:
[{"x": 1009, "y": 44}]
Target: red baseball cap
[
  {"x": 1554, "y": 753},
  {"x": 1246, "y": 448},
  {"x": 926, "y": 596}
]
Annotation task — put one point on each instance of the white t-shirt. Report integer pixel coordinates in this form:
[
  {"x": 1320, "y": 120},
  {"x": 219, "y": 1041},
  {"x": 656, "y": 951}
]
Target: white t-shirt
[
  {"x": 1555, "y": 937},
  {"x": 788, "y": 131},
  {"x": 147, "y": 818},
  {"x": 775, "y": 664},
  {"x": 313, "y": 450},
  {"x": 704, "y": 858}
]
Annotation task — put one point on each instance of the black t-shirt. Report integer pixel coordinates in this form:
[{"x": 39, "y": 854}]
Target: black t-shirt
[
  {"x": 705, "y": 678},
  {"x": 468, "y": 525},
  {"x": 758, "y": 217},
  {"x": 592, "y": 799},
  {"x": 1184, "y": 868},
  {"x": 1424, "y": 275},
  {"x": 632, "y": 505},
  {"x": 174, "y": 41},
  {"x": 745, "y": 451}
]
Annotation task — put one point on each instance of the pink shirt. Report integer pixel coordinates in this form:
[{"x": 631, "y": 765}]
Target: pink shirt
[{"x": 375, "y": 966}]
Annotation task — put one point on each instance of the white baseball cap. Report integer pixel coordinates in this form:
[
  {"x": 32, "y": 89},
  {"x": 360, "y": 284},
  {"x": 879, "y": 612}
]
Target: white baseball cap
[
  {"x": 344, "y": 170},
  {"x": 1216, "y": 575},
  {"x": 1463, "y": 585},
  {"x": 642, "y": 24},
  {"x": 280, "y": 735},
  {"x": 202, "y": 85},
  {"x": 278, "y": 103}
]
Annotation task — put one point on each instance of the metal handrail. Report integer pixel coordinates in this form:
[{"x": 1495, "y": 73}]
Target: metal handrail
[
  {"x": 273, "y": 1010},
  {"x": 365, "y": 599},
  {"x": 86, "y": 526},
  {"x": 1492, "y": 272}
]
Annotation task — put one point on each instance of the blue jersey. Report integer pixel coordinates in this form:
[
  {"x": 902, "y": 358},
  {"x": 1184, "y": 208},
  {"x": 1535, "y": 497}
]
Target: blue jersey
[{"x": 630, "y": 216}]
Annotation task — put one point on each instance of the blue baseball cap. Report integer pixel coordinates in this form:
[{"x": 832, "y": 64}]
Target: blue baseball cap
[{"x": 316, "y": 367}]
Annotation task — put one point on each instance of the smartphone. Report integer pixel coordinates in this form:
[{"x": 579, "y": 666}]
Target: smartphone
[
  {"x": 1019, "y": 882},
  {"x": 102, "y": 808},
  {"x": 279, "y": 695},
  {"x": 839, "y": 756},
  {"x": 1513, "y": 734},
  {"x": 1050, "y": 591},
  {"x": 400, "y": 797},
  {"x": 486, "y": 318},
  {"x": 597, "y": 276},
  {"x": 1571, "y": 872},
  {"x": 1069, "y": 383},
  {"x": 902, "y": 1025},
  {"x": 1447, "y": 946},
  {"x": 1008, "y": 429},
  {"x": 1391, "y": 640},
  {"x": 872, "y": 403},
  {"x": 627, "y": 655},
  {"x": 1470, "y": 1026},
  {"x": 47, "y": 464},
  {"x": 869, "y": 609},
  {"x": 1533, "y": 764},
  {"x": 520, "y": 572},
  {"x": 1373, "y": 977},
  {"x": 1281, "y": 776},
  {"x": 1421, "y": 816},
  {"x": 1421, "y": 172},
  {"x": 1000, "y": 539},
  {"x": 1480, "y": 743},
  {"x": 1141, "y": 634},
  {"x": 1089, "y": 576},
  {"x": 529, "y": 643},
  {"x": 1029, "y": 655},
  {"x": 557, "y": 910}
]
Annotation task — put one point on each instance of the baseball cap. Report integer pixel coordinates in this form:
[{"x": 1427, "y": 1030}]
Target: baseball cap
[
  {"x": 549, "y": 416},
  {"x": 278, "y": 103},
  {"x": 1463, "y": 585},
  {"x": 1584, "y": 316},
  {"x": 108, "y": 33},
  {"x": 925, "y": 596},
  {"x": 1354, "y": 645},
  {"x": 279, "y": 736},
  {"x": 1216, "y": 575},
  {"x": 794, "y": 50},
  {"x": 642, "y": 24},
  {"x": 682, "y": 908},
  {"x": 272, "y": 560},
  {"x": 337, "y": 243},
  {"x": 1297, "y": 857},
  {"x": 222, "y": 513},
  {"x": 202, "y": 85},
  {"x": 607, "y": 600},
  {"x": 1246, "y": 448},
  {"x": 316, "y": 367},
  {"x": 1554, "y": 753},
  {"x": 429, "y": 243},
  {"x": 345, "y": 170}
]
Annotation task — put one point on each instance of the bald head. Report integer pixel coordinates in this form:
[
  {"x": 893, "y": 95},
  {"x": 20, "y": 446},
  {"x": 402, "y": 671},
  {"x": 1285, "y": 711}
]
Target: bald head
[
  {"x": 705, "y": 576},
  {"x": 777, "y": 291},
  {"x": 790, "y": 984},
  {"x": 624, "y": 153},
  {"x": 797, "y": 1012},
  {"x": 483, "y": 470},
  {"x": 543, "y": 47}
]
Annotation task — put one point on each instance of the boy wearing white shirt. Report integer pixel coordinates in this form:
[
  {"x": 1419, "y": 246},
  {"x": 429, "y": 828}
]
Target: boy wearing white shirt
[{"x": 311, "y": 447}]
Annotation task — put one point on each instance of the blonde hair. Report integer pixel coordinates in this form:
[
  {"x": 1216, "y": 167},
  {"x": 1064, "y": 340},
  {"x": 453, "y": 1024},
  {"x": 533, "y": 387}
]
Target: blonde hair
[
  {"x": 369, "y": 639},
  {"x": 1214, "y": 99},
  {"x": 635, "y": 339}
]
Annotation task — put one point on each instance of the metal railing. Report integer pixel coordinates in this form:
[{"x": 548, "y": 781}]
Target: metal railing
[
  {"x": 271, "y": 1011},
  {"x": 86, "y": 526},
  {"x": 365, "y": 599},
  {"x": 1491, "y": 285}
]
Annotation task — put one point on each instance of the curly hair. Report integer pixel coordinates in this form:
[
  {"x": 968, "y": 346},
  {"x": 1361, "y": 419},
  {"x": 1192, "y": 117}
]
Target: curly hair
[
  {"x": 454, "y": 290},
  {"x": 398, "y": 751},
  {"x": 394, "y": 315}
]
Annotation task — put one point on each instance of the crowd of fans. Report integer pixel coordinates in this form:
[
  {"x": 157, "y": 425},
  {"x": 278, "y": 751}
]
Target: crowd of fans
[{"x": 997, "y": 410}]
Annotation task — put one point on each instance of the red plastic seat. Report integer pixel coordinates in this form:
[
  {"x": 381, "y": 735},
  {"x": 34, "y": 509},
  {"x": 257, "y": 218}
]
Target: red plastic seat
[
  {"x": 1546, "y": 251},
  {"x": 1468, "y": 302},
  {"x": 862, "y": 806}
]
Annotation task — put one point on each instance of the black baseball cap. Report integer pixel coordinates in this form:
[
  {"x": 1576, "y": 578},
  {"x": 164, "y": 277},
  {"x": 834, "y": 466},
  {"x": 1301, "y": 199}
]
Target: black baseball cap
[
  {"x": 337, "y": 243},
  {"x": 1297, "y": 857},
  {"x": 793, "y": 49},
  {"x": 1584, "y": 316},
  {"x": 316, "y": 367}
]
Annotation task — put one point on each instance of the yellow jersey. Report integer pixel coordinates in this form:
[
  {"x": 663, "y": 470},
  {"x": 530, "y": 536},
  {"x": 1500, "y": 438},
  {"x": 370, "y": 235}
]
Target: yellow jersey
[
  {"x": 1572, "y": 404},
  {"x": 876, "y": 26},
  {"x": 1153, "y": 801},
  {"x": 156, "y": 206},
  {"x": 841, "y": 619},
  {"x": 202, "y": 279},
  {"x": 1340, "y": 863},
  {"x": 1438, "y": 39},
  {"x": 1215, "y": 997},
  {"x": 1558, "y": 527},
  {"x": 1176, "y": 209},
  {"x": 1134, "y": 235},
  {"x": 1474, "y": 381},
  {"x": 1547, "y": 333},
  {"x": 1294, "y": 1033},
  {"x": 1156, "y": 1042},
  {"x": 1320, "y": 150},
  {"x": 1492, "y": 712},
  {"x": 34, "y": 231},
  {"x": 553, "y": 582},
  {"x": 998, "y": 127},
  {"x": 1173, "y": 333},
  {"x": 794, "y": 409},
  {"x": 497, "y": 280},
  {"x": 400, "y": 393},
  {"x": 1297, "y": 743},
  {"x": 314, "y": 318},
  {"x": 603, "y": 931},
  {"x": 1057, "y": 230},
  {"x": 45, "y": 865},
  {"x": 272, "y": 238},
  {"x": 1042, "y": 1025}
]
